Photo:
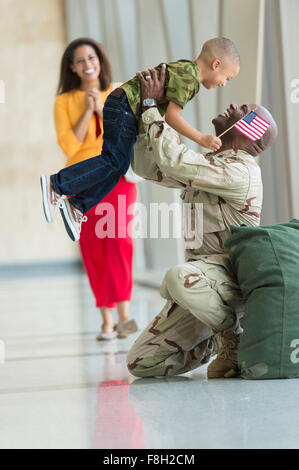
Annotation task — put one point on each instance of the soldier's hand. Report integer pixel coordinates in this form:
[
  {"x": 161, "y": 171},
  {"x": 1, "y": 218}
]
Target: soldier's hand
[
  {"x": 152, "y": 86},
  {"x": 211, "y": 142}
]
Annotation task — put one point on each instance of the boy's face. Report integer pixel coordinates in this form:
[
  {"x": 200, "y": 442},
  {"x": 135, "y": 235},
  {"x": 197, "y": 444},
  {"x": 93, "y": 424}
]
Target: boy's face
[{"x": 219, "y": 73}]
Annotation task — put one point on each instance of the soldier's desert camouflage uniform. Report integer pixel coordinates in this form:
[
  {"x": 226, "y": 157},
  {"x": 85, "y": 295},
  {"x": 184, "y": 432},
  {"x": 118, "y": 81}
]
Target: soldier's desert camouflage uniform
[{"x": 202, "y": 296}]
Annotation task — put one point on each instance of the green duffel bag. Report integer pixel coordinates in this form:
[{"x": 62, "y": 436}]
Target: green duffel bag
[{"x": 266, "y": 263}]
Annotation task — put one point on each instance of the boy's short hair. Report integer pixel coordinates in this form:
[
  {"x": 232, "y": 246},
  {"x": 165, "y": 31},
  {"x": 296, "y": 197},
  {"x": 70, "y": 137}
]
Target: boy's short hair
[{"x": 221, "y": 47}]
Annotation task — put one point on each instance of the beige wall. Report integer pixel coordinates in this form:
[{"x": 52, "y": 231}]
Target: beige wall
[{"x": 32, "y": 38}]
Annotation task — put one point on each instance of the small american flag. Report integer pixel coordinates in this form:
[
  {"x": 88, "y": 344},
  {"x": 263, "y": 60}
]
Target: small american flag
[{"x": 252, "y": 125}]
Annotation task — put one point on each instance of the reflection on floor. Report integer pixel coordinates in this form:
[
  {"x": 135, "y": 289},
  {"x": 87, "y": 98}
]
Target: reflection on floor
[{"x": 59, "y": 388}]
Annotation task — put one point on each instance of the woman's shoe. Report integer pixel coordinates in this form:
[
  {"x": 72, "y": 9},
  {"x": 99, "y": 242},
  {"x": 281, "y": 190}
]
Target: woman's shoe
[
  {"x": 126, "y": 328},
  {"x": 106, "y": 336}
]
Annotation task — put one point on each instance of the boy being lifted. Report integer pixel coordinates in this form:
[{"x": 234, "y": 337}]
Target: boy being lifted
[{"x": 89, "y": 181}]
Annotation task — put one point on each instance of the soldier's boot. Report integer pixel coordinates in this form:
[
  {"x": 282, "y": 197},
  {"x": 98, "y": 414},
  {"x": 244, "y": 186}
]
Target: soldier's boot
[{"x": 226, "y": 362}]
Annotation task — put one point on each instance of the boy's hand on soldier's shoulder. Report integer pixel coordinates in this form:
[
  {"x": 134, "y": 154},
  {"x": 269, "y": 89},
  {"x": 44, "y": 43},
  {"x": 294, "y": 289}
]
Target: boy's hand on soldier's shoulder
[
  {"x": 210, "y": 142},
  {"x": 152, "y": 86}
]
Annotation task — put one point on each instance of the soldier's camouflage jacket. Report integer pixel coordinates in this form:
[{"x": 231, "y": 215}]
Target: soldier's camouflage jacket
[{"x": 227, "y": 186}]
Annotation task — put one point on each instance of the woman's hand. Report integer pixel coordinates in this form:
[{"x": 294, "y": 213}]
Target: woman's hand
[
  {"x": 93, "y": 101},
  {"x": 96, "y": 95},
  {"x": 89, "y": 101},
  {"x": 92, "y": 104},
  {"x": 151, "y": 86}
]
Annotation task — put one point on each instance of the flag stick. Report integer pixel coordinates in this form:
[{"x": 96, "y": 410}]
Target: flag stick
[{"x": 235, "y": 123}]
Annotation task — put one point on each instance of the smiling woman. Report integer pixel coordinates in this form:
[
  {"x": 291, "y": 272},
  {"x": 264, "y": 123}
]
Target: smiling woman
[
  {"x": 85, "y": 82},
  {"x": 81, "y": 55}
]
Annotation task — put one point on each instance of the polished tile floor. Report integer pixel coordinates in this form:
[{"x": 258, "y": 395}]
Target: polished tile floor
[{"x": 59, "y": 388}]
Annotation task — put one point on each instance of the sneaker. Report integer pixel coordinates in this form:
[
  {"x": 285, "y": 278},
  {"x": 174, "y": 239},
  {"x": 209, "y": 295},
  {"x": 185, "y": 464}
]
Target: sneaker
[
  {"x": 106, "y": 336},
  {"x": 126, "y": 328},
  {"x": 72, "y": 219},
  {"x": 50, "y": 197},
  {"x": 226, "y": 362}
]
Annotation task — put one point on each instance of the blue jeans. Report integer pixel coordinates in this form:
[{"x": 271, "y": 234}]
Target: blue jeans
[{"x": 88, "y": 182}]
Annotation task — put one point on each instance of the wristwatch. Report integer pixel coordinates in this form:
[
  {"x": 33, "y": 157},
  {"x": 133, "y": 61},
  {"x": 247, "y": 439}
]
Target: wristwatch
[{"x": 149, "y": 102}]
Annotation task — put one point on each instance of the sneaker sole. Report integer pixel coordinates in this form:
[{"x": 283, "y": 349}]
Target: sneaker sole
[
  {"x": 45, "y": 197},
  {"x": 69, "y": 226},
  {"x": 105, "y": 337}
]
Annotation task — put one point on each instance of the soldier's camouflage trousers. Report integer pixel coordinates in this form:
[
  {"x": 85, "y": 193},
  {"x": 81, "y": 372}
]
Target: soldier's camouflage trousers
[{"x": 202, "y": 299}]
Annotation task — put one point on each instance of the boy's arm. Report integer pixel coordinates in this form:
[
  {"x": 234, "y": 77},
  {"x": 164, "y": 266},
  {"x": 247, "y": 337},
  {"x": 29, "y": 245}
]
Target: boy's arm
[{"x": 176, "y": 121}]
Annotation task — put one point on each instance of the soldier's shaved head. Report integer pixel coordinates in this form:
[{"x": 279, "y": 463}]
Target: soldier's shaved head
[
  {"x": 222, "y": 48},
  {"x": 270, "y": 134}
]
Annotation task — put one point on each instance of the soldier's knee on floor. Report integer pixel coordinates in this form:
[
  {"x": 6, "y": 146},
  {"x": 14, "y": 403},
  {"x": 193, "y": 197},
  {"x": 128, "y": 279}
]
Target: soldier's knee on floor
[
  {"x": 173, "y": 278},
  {"x": 138, "y": 372},
  {"x": 133, "y": 367},
  {"x": 131, "y": 356}
]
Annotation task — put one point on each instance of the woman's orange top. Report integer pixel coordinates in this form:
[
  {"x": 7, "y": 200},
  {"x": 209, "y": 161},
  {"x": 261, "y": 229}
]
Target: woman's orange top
[{"x": 67, "y": 111}]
